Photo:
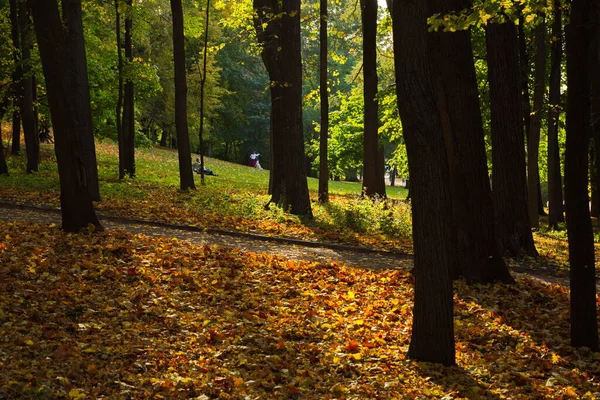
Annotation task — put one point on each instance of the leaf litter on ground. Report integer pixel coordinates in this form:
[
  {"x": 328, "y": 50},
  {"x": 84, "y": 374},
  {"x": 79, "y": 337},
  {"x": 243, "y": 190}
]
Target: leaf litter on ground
[{"x": 120, "y": 316}]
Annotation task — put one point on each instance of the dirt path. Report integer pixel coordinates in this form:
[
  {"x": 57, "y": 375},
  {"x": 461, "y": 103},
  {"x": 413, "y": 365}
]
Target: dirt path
[{"x": 289, "y": 248}]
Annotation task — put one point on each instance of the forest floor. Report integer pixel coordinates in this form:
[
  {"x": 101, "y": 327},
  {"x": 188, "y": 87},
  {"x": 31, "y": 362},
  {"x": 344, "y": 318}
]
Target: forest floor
[{"x": 146, "y": 310}]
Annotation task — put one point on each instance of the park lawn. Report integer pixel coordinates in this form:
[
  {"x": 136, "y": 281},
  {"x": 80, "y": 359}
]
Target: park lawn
[
  {"x": 233, "y": 200},
  {"x": 119, "y": 316}
]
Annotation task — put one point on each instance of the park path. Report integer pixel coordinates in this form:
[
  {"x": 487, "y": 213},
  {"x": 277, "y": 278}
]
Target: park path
[{"x": 292, "y": 249}]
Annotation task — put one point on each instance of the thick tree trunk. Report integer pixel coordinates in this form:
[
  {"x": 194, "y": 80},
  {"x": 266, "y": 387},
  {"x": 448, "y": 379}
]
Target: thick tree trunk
[
  {"x": 455, "y": 83},
  {"x": 186, "y": 175},
  {"x": 32, "y": 142},
  {"x": 74, "y": 29},
  {"x": 323, "y": 153},
  {"x": 280, "y": 38},
  {"x": 128, "y": 122},
  {"x": 374, "y": 175},
  {"x": 555, "y": 197},
  {"x": 64, "y": 85},
  {"x": 584, "y": 325},
  {"x": 17, "y": 86},
  {"x": 535, "y": 125},
  {"x": 432, "y": 336},
  {"x": 508, "y": 149},
  {"x": 594, "y": 60}
]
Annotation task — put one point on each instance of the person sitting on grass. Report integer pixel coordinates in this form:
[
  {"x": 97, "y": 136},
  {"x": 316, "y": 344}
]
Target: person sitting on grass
[{"x": 196, "y": 168}]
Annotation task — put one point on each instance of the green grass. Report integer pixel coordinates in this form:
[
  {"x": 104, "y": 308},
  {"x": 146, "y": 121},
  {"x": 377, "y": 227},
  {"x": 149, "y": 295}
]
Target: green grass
[{"x": 234, "y": 199}]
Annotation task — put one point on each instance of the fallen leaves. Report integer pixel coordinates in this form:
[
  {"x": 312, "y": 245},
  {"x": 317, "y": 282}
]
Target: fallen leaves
[{"x": 116, "y": 315}]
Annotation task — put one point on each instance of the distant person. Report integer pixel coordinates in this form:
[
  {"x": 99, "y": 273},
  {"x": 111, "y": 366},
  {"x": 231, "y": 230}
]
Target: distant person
[
  {"x": 254, "y": 159},
  {"x": 196, "y": 168}
]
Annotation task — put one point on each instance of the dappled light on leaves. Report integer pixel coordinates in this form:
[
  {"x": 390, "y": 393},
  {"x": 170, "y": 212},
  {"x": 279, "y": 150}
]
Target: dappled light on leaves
[{"x": 116, "y": 315}]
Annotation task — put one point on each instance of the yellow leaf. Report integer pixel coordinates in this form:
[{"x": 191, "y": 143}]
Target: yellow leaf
[
  {"x": 29, "y": 342},
  {"x": 76, "y": 394},
  {"x": 555, "y": 359},
  {"x": 350, "y": 295},
  {"x": 356, "y": 356}
]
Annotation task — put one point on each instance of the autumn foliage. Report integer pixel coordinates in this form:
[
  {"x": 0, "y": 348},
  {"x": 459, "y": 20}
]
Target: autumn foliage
[{"x": 120, "y": 316}]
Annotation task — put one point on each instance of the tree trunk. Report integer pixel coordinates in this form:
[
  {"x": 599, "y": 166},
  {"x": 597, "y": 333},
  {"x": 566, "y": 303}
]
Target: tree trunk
[
  {"x": 455, "y": 84},
  {"x": 525, "y": 71},
  {"x": 119, "y": 107},
  {"x": 555, "y": 196},
  {"x": 535, "y": 125},
  {"x": 432, "y": 336},
  {"x": 3, "y": 166},
  {"x": 32, "y": 141},
  {"x": 64, "y": 83},
  {"x": 323, "y": 152},
  {"x": 202, "y": 83},
  {"x": 584, "y": 326},
  {"x": 72, "y": 16},
  {"x": 17, "y": 86},
  {"x": 186, "y": 175},
  {"x": 594, "y": 60},
  {"x": 508, "y": 149},
  {"x": 280, "y": 38},
  {"x": 374, "y": 175},
  {"x": 128, "y": 121}
]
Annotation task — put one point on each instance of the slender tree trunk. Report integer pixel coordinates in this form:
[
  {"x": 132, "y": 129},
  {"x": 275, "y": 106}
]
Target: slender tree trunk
[
  {"x": 32, "y": 142},
  {"x": 17, "y": 86},
  {"x": 374, "y": 175},
  {"x": 455, "y": 84},
  {"x": 535, "y": 125},
  {"x": 186, "y": 175},
  {"x": 432, "y": 336},
  {"x": 202, "y": 83},
  {"x": 3, "y": 166},
  {"x": 65, "y": 84},
  {"x": 119, "y": 108},
  {"x": 508, "y": 149},
  {"x": 555, "y": 197},
  {"x": 324, "y": 95},
  {"x": 584, "y": 325},
  {"x": 128, "y": 122}
]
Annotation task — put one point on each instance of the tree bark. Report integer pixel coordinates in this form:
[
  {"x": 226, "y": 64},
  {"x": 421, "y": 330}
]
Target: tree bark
[
  {"x": 202, "y": 83},
  {"x": 432, "y": 336},
  {"x": 186, "y": 175},
  {"x": 17, "y": 86},
  {"x": 128, "y": 122},
  {"x": 584, "y": 325},
  {"x": 555, "y": 196},
  {"x": 282, "y": 58},
  {"x": 32, "y": 142},
  {"x": 455, "y": 84},
  {"x": 594, "y": 60},
  {"x": 119, "y": 107},
  {"x": 324, "y": 96},
  {"x": 374, "y": 175},
  {"x": 63, "y": 72},
  {"x": 74, "y": 29},
  {"x": 508, "y": 149},
  {"x": 535, "y": 125}
]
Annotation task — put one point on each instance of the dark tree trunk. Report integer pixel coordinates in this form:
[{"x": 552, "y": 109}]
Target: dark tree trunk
[
  {"x": 64, "y": 83},
  {"x": 594, "y": 189},
  {"x": 323, "y": 153},
  {"x": 584, "y": 325},
  {"x": 72, "y": 15},
  {"x": 32, "y": 142},
  {"x": 202, "y": 83},
  {"x": 555, "y": 196},
  {"x": 455, "y": 84},
  {"x": 282, "y": 58},
  {"x": 525, "y": 71},
  {"x": 508, "y": 149},
  {"x": 128, "y": 122},
  {"x": 119, "y": 108},
  {"x": 432, "y": 336},
  {"x": 17, "y": 86},
  {"x": 374, "y": 175},
  {"x": 3, "y": 166},
  {"x": 595, "y": 109},
  {"x": 186, "y": 175},
  {"x": 535, "y": 125}
]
